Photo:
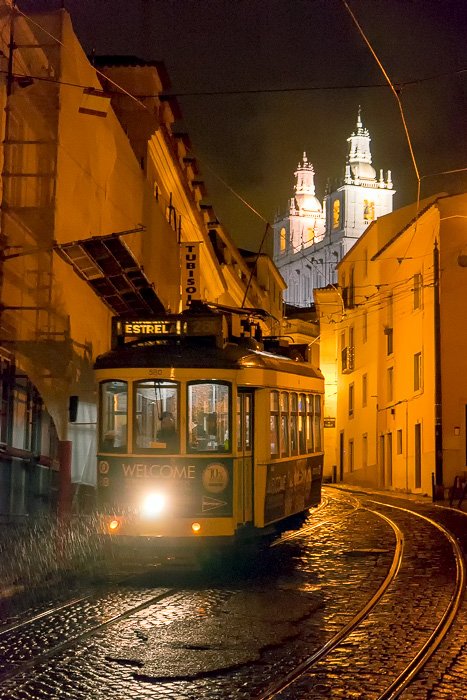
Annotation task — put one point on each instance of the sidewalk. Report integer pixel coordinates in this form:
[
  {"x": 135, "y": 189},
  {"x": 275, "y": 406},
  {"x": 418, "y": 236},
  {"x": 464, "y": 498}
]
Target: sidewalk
[{"x": 414, "y": 497}]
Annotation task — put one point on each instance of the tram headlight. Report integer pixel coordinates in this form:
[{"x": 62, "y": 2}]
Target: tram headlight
[
  {"x": 153, "y": 504},
  {"x": 113, "y": 525}
]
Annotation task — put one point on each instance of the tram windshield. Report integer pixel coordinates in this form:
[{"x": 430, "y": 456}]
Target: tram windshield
[
  {"x": 156, "y": 424},
  {"x": 208, "y": 417}
]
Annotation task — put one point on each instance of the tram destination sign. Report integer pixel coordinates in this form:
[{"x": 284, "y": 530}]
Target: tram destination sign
[{"x": 163, "y": 327}]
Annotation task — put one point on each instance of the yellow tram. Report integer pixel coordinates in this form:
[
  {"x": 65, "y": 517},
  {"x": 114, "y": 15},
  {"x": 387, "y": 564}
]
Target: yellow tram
[{"x": 205, "y": 437}]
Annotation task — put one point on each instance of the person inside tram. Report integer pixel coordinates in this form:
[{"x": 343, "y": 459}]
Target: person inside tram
[
  {"x": 115, "y": 438},
  {"x": 168, "y": 432},
  {"x": 198, "y": 435}
]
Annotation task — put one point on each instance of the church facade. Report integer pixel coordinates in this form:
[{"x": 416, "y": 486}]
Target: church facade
[{"x": 311, "y": 238}]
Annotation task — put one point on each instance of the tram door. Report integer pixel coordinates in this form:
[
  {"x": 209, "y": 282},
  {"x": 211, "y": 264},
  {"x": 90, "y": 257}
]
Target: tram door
[{"x": 245, "y": 454}]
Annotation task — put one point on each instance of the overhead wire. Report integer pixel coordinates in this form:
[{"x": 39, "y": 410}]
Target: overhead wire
[
  {"x": 394, "y": 88},
  {"x": 401, "y": 110},
  {"x": 103, "y": 75},
  {"x": 138, "y": 98},
  {"x": 145, "y": 107}
]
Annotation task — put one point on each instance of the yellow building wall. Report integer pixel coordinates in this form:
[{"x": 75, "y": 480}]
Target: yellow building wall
[
  {"x": 68, "y": 176},
  {"x": 453, "y": 293},
  {"x": 384, "y": 264}
]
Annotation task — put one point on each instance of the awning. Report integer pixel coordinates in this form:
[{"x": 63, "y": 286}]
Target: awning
[{"x": 110, "y": 268}]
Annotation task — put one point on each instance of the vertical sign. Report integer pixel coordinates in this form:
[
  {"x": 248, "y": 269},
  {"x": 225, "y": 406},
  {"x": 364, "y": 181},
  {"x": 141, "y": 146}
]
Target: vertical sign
[{"x": 190, "y": 264}]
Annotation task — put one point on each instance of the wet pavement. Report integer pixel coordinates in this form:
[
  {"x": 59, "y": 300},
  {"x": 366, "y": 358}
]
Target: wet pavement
[{"x": 229, "y": 633}]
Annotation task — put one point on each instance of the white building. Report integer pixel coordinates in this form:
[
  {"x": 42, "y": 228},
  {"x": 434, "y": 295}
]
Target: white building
[{"x": 311, "y": 238}]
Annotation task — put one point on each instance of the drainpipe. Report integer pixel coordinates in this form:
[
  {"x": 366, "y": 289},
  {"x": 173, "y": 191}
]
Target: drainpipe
[
  {"x": 438, "y": 394},
  {"x": 406, "y": 446}
]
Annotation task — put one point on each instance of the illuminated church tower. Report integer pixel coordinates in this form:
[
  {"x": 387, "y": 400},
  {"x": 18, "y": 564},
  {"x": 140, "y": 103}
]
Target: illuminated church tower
[{"x": 310, "y": 239}]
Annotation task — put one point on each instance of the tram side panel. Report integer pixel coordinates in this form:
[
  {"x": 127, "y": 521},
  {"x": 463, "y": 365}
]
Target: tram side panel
[{"x": 283, "y": 487}]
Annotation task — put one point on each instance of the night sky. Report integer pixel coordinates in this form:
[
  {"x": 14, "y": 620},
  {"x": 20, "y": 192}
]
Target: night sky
[{"x": 254, "y": 140}]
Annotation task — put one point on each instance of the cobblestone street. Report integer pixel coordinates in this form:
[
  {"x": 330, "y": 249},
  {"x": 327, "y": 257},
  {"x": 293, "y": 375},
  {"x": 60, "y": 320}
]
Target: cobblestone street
[{"x": 232, "y": 632}]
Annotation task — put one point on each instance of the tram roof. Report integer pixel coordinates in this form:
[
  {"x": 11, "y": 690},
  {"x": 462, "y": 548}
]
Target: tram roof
[{"x": 201, "y": 356}]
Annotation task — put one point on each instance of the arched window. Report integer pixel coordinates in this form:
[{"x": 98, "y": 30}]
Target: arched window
[
  {"x": 283, "y": 240},
  {"x": 336, "y": 214},
  {"x": 368, "y": 210},
  {"x": 309, "y": 235}
]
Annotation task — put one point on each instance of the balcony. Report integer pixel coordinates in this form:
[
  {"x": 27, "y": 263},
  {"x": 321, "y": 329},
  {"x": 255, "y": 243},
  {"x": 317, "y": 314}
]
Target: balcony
[{"x": 348, "y": 359}]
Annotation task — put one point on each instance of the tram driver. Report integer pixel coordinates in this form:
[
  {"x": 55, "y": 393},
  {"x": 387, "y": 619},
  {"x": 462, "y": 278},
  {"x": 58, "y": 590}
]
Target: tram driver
[{"x": 168, "y": 432}]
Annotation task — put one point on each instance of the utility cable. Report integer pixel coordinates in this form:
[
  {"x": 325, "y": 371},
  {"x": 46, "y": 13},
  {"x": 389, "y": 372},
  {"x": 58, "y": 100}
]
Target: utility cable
[{"x": 401, "y": 110}]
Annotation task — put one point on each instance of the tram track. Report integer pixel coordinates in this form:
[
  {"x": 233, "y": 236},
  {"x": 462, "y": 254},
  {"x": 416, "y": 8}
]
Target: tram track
[
  {"x": 308, "y": 529},
  {"x": 19, "y": 666},
  {"x": 348, "y": 628},
  {"x": 418, "y": 659}
]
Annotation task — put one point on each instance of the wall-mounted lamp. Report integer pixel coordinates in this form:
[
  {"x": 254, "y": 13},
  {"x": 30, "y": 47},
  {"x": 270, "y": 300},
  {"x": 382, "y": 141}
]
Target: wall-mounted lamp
[{"x": 457, "y": 430}]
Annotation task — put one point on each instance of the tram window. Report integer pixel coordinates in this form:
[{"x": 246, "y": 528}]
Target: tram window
[
  {"x": 244, "y": 423},
  {"x": 274, "y": 423},
  {"x": 293, "y": 424},
  {"x": 309, "y": 424},
  {"x": 301, "y": 424},
  {"x": 156, "y": 416},
  {"x": 284, "y": 424},
  {"x": 248, "y": 422},
  {"x": 208, "y": 420},
  {"x": 317, "y": 423},
  {"x": 239, "y": 424},
  {"x": 114, "y": 416}
]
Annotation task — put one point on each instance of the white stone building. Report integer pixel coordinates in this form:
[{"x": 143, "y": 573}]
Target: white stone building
[{"x": 311, "y": 238}]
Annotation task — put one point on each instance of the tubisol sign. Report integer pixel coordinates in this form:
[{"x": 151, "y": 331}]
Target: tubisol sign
[{"x": 189, "y": 260}]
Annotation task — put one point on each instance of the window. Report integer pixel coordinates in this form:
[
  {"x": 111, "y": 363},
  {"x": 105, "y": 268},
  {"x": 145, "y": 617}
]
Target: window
[
  {"x": 248, "y": 421},
  {"x": 309, "y": 236},
  {"x": 208, "y": 417},
  {"x": 390, "y": 384},
  {"x": 364, "y": 450},
  {"x": 368, "y": 210},
  {"x": 114, "y": 416},
  {"x": 283, "y": 240},
  {"x": 156, "y": 416},
  {"x": 417, "y": 371},
  {"x": 244, "y": 423},
  {"x": 293, "y": 424},
  {"x": 351, "y": 399},
  {"x": 389, "y": 333},
  {"x": 417, "y": 291},
  {"x": 317, "y": 424},
  {"x": 336, "y": 214},
  {"x": 284, "y": 415},
  {"x": 364, "y": 390},
  {"x": 301, "y": 424},
  {"x": 21, "y": 409},
  {"x": 310, "y": 443},
  {"x": 274, "y": 423},
  {"x": 399, "y": 441},
  {"x": 365, "y": 326}
]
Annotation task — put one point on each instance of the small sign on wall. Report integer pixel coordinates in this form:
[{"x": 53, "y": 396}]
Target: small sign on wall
[
  {"x": 190, "y": 267},
  {"x": 329, "y": 422}
]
